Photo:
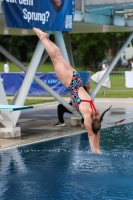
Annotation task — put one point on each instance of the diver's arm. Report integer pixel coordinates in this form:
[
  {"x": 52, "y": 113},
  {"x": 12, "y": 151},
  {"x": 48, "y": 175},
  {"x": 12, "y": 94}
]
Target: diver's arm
[
  {"x": 97, "y": 142},
  {"x": 93, "y": 139}
]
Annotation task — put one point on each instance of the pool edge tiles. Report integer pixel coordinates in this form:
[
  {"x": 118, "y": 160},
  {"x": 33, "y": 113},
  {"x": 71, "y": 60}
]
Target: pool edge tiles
[{"x": 38, "y": 141}]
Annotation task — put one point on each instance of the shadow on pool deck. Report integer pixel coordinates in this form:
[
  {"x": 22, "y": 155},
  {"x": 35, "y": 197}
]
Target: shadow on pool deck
[{"x": 38, "y": 124}]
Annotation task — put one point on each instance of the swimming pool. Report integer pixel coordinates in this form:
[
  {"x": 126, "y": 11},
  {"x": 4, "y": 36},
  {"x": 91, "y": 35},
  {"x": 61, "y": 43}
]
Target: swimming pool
[{"x": 66, "y": 169}]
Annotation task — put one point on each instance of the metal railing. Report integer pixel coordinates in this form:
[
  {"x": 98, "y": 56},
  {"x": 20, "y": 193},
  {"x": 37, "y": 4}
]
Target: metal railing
[
  {"x": 117, "y": 80},
  {"x": 1, "y": 8}
]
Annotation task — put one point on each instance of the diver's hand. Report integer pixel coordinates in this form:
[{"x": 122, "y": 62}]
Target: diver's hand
[{"x": 98, "y": 152}]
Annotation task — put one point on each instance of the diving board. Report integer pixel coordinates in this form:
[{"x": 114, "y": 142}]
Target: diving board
[
  {"x": 7, "y": 126},
  {"x": 14, "y": 107}
]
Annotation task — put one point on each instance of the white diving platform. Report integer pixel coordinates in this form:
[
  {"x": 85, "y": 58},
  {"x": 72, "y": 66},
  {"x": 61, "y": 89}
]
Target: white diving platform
[{"x": 10, "y": 132}]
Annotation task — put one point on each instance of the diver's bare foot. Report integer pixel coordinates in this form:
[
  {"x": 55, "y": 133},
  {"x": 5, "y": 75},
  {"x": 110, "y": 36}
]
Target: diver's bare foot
[{"x": 40, "y": 33}]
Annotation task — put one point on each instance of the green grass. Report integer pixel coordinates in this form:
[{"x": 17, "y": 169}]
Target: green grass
[
  {"x": 100, "y": 94},
  {"x": 117, "y": 83},
  {"x": 45, "y": 68},
  {"x": 119, "y": 94},
  {"x": 31, "y": 102},
  {"x": 34, "y": 101},
  {"x": 48, "y": 67}
]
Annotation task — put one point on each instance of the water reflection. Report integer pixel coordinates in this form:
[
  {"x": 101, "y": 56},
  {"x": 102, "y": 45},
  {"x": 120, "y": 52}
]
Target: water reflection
[
  {"x": 10, "y": 163},
  {"x": 66, "y": 169}
]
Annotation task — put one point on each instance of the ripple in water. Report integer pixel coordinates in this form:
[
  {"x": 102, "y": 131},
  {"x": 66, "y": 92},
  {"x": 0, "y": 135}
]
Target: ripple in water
[{"x": 66, "y": 169}]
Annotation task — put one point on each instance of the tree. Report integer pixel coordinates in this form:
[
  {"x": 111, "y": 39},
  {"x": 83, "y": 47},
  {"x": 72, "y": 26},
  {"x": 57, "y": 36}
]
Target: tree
[
  {"x": 90, "y": 47},
  {"x": 18, "y": 45},
  {"x": 4, "y": 41}
]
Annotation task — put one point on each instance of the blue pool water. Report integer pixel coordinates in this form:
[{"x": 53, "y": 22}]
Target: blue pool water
[{"x": 65, "y": 168}]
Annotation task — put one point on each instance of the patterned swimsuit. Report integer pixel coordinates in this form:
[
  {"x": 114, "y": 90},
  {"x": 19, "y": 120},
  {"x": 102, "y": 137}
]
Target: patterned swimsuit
[{"x": 73, "y": 88}]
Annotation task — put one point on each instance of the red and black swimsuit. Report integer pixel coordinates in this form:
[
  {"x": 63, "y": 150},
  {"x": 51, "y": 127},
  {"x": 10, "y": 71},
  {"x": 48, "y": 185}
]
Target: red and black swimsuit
[
  {"x": 73, "y": 88},
  {"x": 94, "y": 110}
]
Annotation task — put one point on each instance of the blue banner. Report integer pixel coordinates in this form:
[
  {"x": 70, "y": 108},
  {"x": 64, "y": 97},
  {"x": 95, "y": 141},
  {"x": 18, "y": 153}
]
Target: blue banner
[
  {"x": 13, "y": 81},
  {"x": 51, "y": 15}
]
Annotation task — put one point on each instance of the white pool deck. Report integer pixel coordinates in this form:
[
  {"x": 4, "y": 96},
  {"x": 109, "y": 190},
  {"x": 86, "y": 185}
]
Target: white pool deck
[{"x": 38, "y": 124}]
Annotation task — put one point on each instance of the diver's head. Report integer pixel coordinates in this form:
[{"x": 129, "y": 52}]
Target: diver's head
[{"x": 96, "y": 123}]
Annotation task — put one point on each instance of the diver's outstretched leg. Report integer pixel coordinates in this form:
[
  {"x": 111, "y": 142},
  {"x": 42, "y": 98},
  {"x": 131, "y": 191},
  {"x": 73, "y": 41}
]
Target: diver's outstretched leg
[
  {"x": 62, "y": 69},
  {"x": 50, "y": 47}
]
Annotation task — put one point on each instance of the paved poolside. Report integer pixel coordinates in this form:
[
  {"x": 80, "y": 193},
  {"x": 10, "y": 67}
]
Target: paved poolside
[{"x": 38, "y": 124}]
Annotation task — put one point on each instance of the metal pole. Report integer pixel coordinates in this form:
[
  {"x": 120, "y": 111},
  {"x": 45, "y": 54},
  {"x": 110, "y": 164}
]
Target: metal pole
[
  {"x": 3, "y": 99},
  {"x": 69, "y": 49},
  {"x": 112, "y": 65},
  {"x": 61, "y": 44},
  {"x": 5, "y": 114},
  {"x": 39, "y": 81},
  {"x": 30, "y": 74},
  {"x": 28, "y": 78},
  {"x": 44, "y": 57},
  {"x": 82, "y": 6}
]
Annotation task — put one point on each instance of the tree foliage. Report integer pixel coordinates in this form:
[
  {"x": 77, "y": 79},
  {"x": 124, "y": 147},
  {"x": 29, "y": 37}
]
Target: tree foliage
[
  {"x": 18, "y": 45},
  {"x": 89, "y": 47},
  {"x": 92, "y": 47}
]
